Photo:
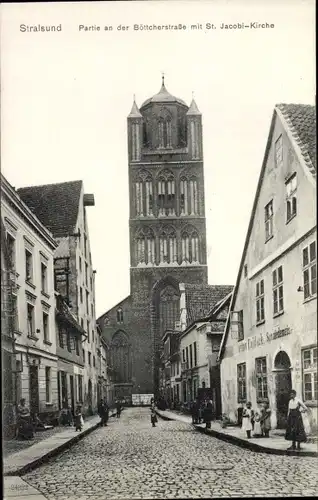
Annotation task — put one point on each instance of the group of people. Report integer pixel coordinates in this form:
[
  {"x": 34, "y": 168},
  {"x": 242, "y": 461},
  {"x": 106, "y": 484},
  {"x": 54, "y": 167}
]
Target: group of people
[
  {"x": 259, "y": 422},
  {"x": 202, "y": 411}
]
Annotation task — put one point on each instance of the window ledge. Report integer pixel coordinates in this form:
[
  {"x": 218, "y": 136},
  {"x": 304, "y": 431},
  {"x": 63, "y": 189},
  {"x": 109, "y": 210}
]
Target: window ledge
[
  {"x": 290, "y": 218},
  {"x": 311, "y": 297},
  {"x": 33, "y": 337},
  {"x": 45, "y": 294},
  {"x": 260, "y": 322},
  {"x": 17, "y": 332},
  {"x": 47, "y": 342},
  {"x": 311, "y": 403},
  {"x": 30, "y": 284},
  {"x": 48, "y": 403},
  {"x": 269, "y": 238},
  {"x": 278, "y": 314}
]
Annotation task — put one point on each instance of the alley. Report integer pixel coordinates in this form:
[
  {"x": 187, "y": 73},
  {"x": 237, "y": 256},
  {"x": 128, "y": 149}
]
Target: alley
[{"x": 130, "y": 459}]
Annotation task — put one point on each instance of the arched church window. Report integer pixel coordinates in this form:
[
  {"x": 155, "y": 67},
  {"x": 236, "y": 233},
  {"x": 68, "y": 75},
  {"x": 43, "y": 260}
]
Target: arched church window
[
  {"x": 144, "y": 194},
  {"x": 164, "y": 131},
  {"x": 120, "y": 315},
  {"x": 182, "y": 131},
  {"x": 145, "y": 247},
  {"x": 194, "y": 127},
  {"x": 166, "y": 194},
  {"x": 168, "y": 246},
  {"x": 189, "y": 196},
  {"x": 169, "y": 308},
  {"x": 145, "y": 134},
  {"x": 190, "y": 246},
  {"x": 120, "y": 354}
]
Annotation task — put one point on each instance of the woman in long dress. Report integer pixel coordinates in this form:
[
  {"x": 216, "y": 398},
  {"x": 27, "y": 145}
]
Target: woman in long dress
[
  {"x": 247, "y": 418},
  {"x": 295, "y": 431}
]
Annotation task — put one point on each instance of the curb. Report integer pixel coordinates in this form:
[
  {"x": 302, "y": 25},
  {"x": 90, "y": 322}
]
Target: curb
[
  {"x": 243, "y": 443},
  {"x": 39, "y": 461}
]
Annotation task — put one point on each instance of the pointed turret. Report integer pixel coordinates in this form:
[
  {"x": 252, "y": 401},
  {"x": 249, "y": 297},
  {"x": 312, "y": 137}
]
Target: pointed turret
[
  {"x": 134, "y": 113},
  {"x": 193, "y": 110}
]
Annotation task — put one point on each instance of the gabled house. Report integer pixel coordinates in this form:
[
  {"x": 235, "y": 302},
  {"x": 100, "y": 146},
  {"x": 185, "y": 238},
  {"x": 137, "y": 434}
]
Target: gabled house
[
  {"x": 61, "y": 207},
  {"x": 270, "y": 340}
]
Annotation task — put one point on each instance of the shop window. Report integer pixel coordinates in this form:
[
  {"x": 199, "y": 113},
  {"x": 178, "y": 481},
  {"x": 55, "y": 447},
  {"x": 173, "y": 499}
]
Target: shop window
[
  {"x": 261, "y": 379},
  {"x": 309, "y": 366}
]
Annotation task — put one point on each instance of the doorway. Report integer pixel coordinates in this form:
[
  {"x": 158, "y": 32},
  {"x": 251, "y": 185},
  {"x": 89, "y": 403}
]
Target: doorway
[
  {"x": 283, "y": 388},
  {"x": 34, "y": 389}
]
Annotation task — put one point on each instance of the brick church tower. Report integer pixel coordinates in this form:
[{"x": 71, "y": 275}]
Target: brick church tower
[{"x": 167, "y": 230}]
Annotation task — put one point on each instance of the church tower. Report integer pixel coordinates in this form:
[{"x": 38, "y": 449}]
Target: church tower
[{"x": 166, "y": 223}]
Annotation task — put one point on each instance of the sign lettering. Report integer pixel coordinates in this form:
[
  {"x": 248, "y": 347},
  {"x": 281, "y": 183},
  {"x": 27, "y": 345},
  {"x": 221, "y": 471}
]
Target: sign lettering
[{"x": 258, "y": 340}]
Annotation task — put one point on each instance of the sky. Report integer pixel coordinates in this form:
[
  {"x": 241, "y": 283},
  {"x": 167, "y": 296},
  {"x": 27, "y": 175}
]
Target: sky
[{"x": 65, "y": 97}]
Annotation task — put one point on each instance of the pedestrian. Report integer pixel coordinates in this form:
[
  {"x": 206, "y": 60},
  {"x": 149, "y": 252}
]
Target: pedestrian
[
  {"x": 118, "y": 409},
  {"x": 106, "y": 413},
  {"x": 257, "y": 431},
  {"x": 78, "y": 418},
  {"x": 193, "y": 412},
  {"x": 25, "y": 427},
  {"x": 153, "y": 417},
  {"x": 265, "y": 419},
  {"x": 208, "y": 414},
  {"x": 295, "y": 431},
  {"x": 101, "y": 411},
  {"x": 247, "y": 418}
]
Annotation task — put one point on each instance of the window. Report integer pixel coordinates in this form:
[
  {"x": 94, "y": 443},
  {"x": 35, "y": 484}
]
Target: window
[
  {"x": 94, "y": 362},
  {"x": 260, "y": 299},
  {"x": 261, "y": 378},
  {"x": 11, "y": 251},
  {"x": 61, "y": 340},
  {"x": 310, "y": 270},
  {"x": 241, "y": 382},
  {"x": 278, "y": 291},
  {"x": 83, "y": 355},
  {"x": 245, "y": 270},
  {"x": 309, "y": 359},
  {"x": 195, "y": 353},
  {"x": 87, "y": 331},
  {"x": 279, "y": 151},
  {"x": 76, "y": 346},
  {"x": 269, "y": 220},
  {"x": 86, "y": 274},
  {"x": 85, "y": 246},
  {"x": 89, "y": 359},
  {"x": 31, "y": 323},
  {"x": 15, "y": 312},
  {"x": 80, "y": 388},
  {"x": 48, "y": 384},
  {"x": 68, "y": 342},
  {"x": 187, "y": 356},
  {"x": 183, "y": 355},
  {"x": 43, "y": 278},
  {"x": 46, "y": 333},
  {"x": 190, "y": 246},
  {"x": 87, "y": 302},
  {"x": 93, "y": 336},
  {"x": 240, "y": 325},
  {"x": 120, "y": 315},
  {"x": 80, "y": 263},
  {"x": 28, "y": 266},
  {"x": 291, "y": 199},
  {"x": 166, "y": 196},
  {"x": 81, "y": 295},
  {"x": 191, "y": 356},
  {"x": 92, "y": 310}
]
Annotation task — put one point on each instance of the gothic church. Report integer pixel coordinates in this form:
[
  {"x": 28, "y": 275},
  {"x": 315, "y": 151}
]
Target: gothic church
[{"x": 167, "y": 236}]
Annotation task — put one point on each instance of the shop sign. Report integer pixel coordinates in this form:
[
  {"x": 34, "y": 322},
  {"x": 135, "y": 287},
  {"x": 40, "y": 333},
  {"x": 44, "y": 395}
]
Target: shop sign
[{"x": 262, "y": 339}]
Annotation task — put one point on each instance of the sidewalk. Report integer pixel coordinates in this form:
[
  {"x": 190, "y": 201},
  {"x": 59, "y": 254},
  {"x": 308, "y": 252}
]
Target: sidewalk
[
  {"x": 20, "y": 462},
  {"x": 275, "y": 444}
]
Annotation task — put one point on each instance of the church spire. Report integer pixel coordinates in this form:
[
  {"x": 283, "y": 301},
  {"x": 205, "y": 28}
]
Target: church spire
[
  {"x": 134, "y": 113},
  {"x": 193, "y": 110}
]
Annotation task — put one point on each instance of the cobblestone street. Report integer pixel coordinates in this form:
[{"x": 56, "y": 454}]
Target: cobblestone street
[{"x": 130, "y": 459}]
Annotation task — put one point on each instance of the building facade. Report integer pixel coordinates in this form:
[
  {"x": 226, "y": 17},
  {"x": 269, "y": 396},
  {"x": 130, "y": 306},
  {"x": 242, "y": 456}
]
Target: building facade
[
  {"x": 31, "y": 248},
  {"x": 270, "y": 342},
  {"x": 167, "y": 235},
  {"x": 8, "y": 290},
  {"x": 65, "y": 216}
]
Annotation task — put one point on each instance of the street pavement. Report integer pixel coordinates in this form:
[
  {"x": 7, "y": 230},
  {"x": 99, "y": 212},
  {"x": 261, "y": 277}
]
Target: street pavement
[{"x": 130, "y": 459}]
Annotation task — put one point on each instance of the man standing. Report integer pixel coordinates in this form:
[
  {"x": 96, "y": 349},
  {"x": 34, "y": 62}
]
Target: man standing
[
  {"x": 118, "y": 408},
  {"x": 106, "y": 412}
]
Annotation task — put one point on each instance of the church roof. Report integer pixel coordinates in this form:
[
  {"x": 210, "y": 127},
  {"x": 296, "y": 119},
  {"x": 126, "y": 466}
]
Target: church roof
[
  {"x": 163, "y": 96},
  {"x": 193, "y": 110},
  {"x": 55, "y": 205},
  {"x": 202, "y": 299}
]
